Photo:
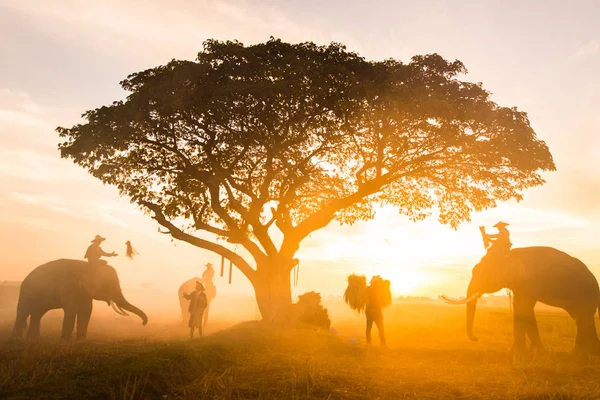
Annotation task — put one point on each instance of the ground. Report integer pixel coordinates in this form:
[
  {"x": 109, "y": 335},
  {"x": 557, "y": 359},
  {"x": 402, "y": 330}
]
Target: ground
[{"x": 429, "y": 357}]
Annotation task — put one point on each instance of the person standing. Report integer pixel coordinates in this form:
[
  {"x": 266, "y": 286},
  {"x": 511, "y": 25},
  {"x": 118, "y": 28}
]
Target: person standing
[
  {"x": 198, "y": 303},
  {"x": 376, "y": 301}
]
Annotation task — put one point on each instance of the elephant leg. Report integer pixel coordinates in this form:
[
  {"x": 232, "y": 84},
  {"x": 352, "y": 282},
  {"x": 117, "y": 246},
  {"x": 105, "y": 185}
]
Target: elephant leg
[
  {"x": 83, "y": 319},
  {"x": 586, "y": 341},
  {"x": 533, "y": 333},
  {"x": 34, "y": 324},
  {"x": 20, "y": 321},
  {"x": 522, "y": 317},
  {"x": 205, "y": 321},
  {"x": 68, "y": 323}
]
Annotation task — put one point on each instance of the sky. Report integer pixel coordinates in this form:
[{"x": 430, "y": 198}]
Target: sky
[{"x": 59, "y": 60}]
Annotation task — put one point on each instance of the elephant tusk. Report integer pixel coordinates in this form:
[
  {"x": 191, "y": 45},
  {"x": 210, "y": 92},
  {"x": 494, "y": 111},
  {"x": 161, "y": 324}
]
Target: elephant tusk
[
  {"x": 461, "y": 301},
  {"x": 117, "y": 310},
  {"x": 123, "y": 311}
]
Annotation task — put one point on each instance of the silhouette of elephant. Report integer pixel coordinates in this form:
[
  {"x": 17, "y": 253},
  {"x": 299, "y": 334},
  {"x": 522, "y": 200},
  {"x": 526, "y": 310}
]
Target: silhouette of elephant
[
  {"x": 188, "y": 287},
  {"x": 534, "y": 274},
  {"x": 71, "y": 285}
]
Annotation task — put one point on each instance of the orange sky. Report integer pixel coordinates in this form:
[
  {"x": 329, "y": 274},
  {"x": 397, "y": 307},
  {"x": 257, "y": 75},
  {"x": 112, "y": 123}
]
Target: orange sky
[{"x": 62, "y": 59}]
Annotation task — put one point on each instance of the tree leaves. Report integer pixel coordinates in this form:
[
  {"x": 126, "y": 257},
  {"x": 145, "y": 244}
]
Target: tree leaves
[{"x": 300, "y": 135}]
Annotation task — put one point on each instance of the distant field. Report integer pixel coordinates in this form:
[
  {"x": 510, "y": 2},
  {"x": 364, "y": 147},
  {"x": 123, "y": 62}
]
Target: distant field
[{"x": 429, "y": 357}]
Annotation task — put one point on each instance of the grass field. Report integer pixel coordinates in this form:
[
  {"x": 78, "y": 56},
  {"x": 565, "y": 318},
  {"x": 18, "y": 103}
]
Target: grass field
[{"x": 429, "y": 357}]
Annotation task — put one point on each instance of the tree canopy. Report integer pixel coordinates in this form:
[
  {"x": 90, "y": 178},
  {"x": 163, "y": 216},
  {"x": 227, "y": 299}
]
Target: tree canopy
[{"x": 247, "y": 139}]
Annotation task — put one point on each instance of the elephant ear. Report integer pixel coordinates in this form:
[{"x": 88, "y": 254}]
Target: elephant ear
[
  {"x": 518, "y": 269},
  {"x": 94, "y": 281},
  {"x": 87, "y": 282}
]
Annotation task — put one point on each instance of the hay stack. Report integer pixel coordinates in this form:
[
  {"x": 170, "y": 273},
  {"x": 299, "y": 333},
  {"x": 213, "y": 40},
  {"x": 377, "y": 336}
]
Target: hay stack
[
  {"x": 356, "y": 293},
  {"x": 311, "y": 311},
  {"x": 381, "y": 292}
]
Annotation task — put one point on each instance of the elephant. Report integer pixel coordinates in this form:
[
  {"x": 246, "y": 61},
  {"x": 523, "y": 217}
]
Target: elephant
[
  {"x": 534, "y": 274},
  {"x": 188, "y": 287},
  {"x": 71, "y": 285}
]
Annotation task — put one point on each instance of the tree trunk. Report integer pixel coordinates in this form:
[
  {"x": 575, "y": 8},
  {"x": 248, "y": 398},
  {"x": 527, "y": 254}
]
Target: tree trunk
[{"x": 273, "y": 293}]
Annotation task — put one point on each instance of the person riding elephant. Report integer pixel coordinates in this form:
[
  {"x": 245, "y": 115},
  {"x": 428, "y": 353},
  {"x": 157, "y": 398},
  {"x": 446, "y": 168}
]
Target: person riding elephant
[
  {"x": 210, "y": 289},
  {"x": 498, "y": 243},
  {"x": 71, "y": 285},
  {"x": 208, "y": 274},
  {"x": 538, "y": 274},
  {"x": 94, "y": 252}
]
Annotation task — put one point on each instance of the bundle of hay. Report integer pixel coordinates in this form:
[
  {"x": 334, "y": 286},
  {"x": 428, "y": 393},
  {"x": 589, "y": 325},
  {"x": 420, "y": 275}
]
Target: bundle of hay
[
  {"x": 356, "y": 294},
  {"x": 311, "y": 310},
  {"x": 130, "y": 251},
  {"x": 381, "y": 293}
]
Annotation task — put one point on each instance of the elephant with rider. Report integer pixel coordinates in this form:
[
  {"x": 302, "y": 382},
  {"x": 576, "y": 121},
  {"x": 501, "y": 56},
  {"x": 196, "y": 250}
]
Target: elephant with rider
[
  {"x": 190, "y": 285},
  {"x": 71, "y": 285},
  {"x": 538, "y": 274}
]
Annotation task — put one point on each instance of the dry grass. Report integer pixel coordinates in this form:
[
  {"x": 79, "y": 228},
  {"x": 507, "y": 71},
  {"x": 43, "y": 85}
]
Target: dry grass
[{"x": 429, "y": 358}]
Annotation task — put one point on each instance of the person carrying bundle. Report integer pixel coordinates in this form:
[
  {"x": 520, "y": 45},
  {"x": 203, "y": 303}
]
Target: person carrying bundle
[
  {"x": 379, "y": 296},
  {"x": 371, "y": 299}
]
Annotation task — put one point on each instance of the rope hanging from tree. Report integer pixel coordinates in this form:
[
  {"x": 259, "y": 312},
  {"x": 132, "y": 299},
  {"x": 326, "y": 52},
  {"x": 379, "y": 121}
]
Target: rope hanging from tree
[
  {"x": 222, "y": 265},
  {"x": 509, "y": 294},
  {"x": 230, "y": 270},
  {"x": 296, "y": 272}
]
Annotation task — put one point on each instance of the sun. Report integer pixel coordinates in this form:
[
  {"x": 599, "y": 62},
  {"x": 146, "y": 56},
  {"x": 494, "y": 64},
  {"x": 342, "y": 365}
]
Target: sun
[{"x": 405, "y": 282}]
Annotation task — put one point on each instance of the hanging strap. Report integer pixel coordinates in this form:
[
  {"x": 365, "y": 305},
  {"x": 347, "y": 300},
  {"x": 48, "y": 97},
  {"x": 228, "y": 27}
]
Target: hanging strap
[{"x": 296, "y": 273}]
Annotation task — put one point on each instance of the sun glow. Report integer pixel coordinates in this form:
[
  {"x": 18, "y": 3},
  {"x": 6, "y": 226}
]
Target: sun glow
[{"x": 405, "y": 282}]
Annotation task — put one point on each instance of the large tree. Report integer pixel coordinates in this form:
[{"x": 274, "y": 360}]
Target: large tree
[{"x": 260, "y": 145}]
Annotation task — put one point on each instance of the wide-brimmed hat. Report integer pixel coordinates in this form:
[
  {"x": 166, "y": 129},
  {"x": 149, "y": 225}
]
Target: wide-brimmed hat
[
  {"x": 98, "y": 238},
  {"x": 208, "y": 264},
  {"x": 501, "y": 224}
]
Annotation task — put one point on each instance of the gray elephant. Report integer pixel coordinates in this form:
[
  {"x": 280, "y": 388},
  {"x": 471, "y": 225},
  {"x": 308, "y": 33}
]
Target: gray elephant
[
  {"x": 535, "y": 274},
  {"x": 71, "y": 285}
]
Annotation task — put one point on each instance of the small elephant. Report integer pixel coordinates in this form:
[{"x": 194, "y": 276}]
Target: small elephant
[
  {"x": 541, "y": 274},
  {"x": 71, "y": 285}
]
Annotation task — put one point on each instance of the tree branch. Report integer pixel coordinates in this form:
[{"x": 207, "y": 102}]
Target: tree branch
[{"x": 177, "y": 233}]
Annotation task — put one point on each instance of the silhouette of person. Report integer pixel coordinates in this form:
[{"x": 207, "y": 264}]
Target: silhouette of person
[
  {"x": 500, "y": 241},
  {"x": 210, "y": 289},
  {"x": 373, "y": 309},
  {"x": 209, "y": 273},
  {"x": 94, "y": 252},
  {"x": 198, "y": 303}
]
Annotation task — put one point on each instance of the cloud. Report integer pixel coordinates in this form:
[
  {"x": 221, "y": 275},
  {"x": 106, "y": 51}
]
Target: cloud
[
  {"x": 36, "y": 167},
  {"x": 586, "y": 50},
  {"x": 170, "y": 29}
]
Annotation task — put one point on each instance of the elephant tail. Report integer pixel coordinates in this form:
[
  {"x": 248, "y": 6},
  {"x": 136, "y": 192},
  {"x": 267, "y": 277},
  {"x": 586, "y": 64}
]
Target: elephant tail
[{"x": 21, "y": 320}]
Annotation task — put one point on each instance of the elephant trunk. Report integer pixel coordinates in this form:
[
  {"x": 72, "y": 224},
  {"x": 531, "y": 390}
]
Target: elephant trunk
[
  {"x": 127, "y": 306},
  {"x": 471, "y": 305}
]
